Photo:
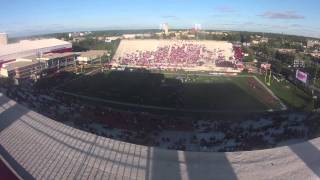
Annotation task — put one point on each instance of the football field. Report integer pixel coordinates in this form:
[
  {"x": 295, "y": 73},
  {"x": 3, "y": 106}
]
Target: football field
[
  {"x": 189, "y": 93},
  {"x": 229, "y": 94}
]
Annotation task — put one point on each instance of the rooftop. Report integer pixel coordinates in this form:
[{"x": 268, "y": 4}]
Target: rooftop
[
  {"x": 282, "y": 50},
  {"x": 54, "y": 55},
  {"x": 58, "y": 55},
  {"x": 93, "y": 53},
  {"x": 26, "y": 45},
  {"x": 19, "y": 63}
]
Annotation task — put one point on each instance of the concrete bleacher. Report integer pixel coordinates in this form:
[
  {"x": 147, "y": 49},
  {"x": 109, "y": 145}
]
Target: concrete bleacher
[
  {"x": 132, "y": 46},
  {"x": 41, "y": 148}
]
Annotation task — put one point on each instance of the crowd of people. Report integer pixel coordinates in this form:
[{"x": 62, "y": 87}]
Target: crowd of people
[
  {"x": 181, "y": 55},
  {"x": 238, "y": 53},
  {"x": 179, "y": 132}
]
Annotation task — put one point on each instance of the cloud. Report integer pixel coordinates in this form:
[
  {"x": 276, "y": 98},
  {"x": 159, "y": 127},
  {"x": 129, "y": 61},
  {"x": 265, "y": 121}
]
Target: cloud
[
  {"x": 225, "y": 9},
  {"x": 296, "y": 25},
  {"x": 169, "y": 17},
  {"x": 282, "y": 15},
  {"x": 249, "y": 23}
]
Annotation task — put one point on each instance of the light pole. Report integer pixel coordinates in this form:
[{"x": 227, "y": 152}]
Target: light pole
[
  {"x": 315, "y": 75},
  {"x": 315, "y": 98},
  {"x": 101, "y": 63}
]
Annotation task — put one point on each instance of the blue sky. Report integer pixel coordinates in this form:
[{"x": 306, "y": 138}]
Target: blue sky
[{"x": 25, "y": 17}]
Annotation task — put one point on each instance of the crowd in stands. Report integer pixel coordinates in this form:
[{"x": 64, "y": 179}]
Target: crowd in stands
[
  {"x": 238, "y": 53},
  {"x": 233, "y": 62},
  {"x": 180, "y": 55},
  {"x": 203, "y": 133}
]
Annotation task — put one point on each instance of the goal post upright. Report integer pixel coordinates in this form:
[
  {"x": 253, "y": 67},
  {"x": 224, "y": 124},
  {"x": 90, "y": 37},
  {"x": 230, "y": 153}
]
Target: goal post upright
[
  {"x": 270, "y": 76},
  {"x": 265, "y": 77}
]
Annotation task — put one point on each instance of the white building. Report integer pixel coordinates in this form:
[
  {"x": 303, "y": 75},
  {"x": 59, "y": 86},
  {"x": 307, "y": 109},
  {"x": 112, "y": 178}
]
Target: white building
[
  {"x": 57, "y": 61},
  {"x": 129, "y": 36},
  {"x": 27, "y": 48},
  {"x": 312, "y": 43},
  {"x": 191, "y": 36},
  {"x": 3, "y": 39},
  {"x": 20, "y": 69},
  {"x": 110, "y": 39},
  {"x": 89, "y": 56}
]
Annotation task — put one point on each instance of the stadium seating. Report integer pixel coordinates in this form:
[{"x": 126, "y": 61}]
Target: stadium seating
[
  {"x": 37, "y": 147},
  {"x": 179, "y": 54}
]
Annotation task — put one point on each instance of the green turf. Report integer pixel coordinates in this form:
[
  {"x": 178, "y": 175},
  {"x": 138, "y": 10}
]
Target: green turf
[
  {"x": 197, "y": 93},
  {"x": 292, "y": 96},
  {"x": 231, "y": 93}
]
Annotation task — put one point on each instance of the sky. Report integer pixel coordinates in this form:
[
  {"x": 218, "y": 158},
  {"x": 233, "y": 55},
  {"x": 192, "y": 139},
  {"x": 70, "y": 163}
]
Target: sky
[{"x": 30, "y": 17}]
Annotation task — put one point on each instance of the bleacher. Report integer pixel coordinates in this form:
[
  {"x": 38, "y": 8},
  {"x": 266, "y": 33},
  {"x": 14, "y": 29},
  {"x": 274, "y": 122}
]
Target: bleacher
[{"x": 175, "y": 54}]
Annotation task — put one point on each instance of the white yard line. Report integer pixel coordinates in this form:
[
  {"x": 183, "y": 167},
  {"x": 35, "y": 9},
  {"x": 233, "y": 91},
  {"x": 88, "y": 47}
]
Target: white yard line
[{"x": 284, "y": 107}]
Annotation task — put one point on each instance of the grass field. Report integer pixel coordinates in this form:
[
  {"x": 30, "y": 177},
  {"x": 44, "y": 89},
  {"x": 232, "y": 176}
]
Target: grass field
[
  {"x": 180, "y": 92},
  {"x": 292, "y": 96}
]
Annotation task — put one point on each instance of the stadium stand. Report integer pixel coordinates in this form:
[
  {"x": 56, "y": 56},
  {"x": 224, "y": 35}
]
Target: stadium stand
[
  {"x": 174, "y": 54},
  {"x": 38, "y": 147},
  {"x": 207, "y": 133}
]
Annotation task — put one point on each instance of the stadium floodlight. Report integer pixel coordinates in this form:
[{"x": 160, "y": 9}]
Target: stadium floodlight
[
  {"x": 197, "y": 27},
  {"x": 165, "y": 28},
  {"x": 161, "y": 27}
]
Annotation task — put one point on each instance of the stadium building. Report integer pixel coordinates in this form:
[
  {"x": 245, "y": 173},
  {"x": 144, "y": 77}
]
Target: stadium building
[
  {"x": 20, "y": 69},
  {"x": 90, "y": 56},
  {"x": 26, "y": 48},
  {"x": 56, "y": 60}
]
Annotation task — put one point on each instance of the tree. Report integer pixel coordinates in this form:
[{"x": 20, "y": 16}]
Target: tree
[
  {"x": 286, "y": 58},
  {"x": 276, "y": 67},
  {"x": 250, "y": 53}
]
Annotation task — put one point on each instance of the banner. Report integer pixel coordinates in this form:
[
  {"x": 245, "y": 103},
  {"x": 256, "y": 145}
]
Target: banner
[
  {"x": 265, "y": 66},
  {"x": 301, "y": 76}
]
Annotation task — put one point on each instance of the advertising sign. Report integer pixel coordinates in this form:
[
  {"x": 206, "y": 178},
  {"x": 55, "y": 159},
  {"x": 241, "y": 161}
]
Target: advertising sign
[
  {"x": 265, "y": 66},
  {"x": 301, "y": 76}
]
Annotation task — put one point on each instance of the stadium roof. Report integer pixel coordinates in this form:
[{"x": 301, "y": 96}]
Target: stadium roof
[
  {"x": 27, "y": 45},
  {"x": 37, "y": 147},
  {"x": 18, "y": 64},
  {"x": 50, "y": 56}
]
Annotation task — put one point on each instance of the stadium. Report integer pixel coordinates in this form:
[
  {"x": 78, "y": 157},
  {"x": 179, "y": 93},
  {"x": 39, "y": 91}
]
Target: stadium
[
  {"x": 160, "y": 90},
  {"x": 217, "y": 56},
  {"x": 183, "y": 107},
  {"x": 185, "y": 76}
]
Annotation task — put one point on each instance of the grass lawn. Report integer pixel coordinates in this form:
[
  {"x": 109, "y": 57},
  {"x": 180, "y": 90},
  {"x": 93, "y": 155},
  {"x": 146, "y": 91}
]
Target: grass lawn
[
  {"x": 291, "y": 95},
  {"x": 196, "y": 92}
]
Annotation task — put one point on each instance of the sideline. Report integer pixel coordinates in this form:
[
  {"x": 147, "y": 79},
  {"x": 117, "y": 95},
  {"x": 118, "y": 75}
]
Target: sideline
[{"x": 284, "y": 107}]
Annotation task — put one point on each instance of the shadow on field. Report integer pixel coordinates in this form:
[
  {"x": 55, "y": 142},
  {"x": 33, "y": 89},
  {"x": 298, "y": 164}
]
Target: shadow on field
[{"x": 184, "y": 93}]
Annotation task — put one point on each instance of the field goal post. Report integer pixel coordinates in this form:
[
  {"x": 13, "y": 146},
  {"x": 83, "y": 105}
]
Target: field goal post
[{"x": 268, "y": 77}]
